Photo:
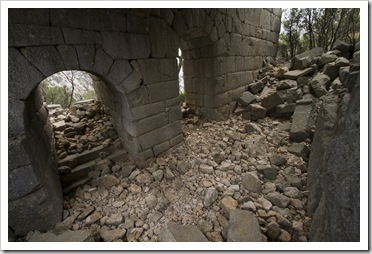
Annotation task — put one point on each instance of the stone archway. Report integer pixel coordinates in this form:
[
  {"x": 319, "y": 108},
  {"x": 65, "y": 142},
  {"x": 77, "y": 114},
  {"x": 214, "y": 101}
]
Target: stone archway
[{"x": 133, "y": 51}]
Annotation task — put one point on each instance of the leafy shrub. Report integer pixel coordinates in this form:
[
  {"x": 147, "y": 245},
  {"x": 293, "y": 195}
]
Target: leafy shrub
[{"x": 55, "y": 94}]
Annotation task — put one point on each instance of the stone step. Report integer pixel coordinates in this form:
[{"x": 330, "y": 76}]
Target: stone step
[
  {"x": 78, "y": 172},
  {"x": 76, "y": 159}
]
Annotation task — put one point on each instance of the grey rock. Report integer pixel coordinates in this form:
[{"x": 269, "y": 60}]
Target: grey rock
[
  {"x": 66, "y": 236},
  {"x": 302, "y": 81},
  {"x": 286, "y": 84},
  {"x": 356, "y": 57},
  {"x": 286, "y": 108},
  {"x": 341, "y": 45},
  {"x": 277, "y": 159},
  {"x": 301, "y": 63},
  {"x": 115, "y": 219},
  {"x": 299, "y": 149},
  {"x": 158, "y": 175},
  {"x": 173, "y": 232},
  {"x": 251, "y": 183},
  {"x": 243, "y": 227},
  {"x": 297, "y": 73},
  {"x": 144, "y": 178},
  {"x": 301, "y": 123},
  {"x": 256, "y": 87},
  {"x": 271, "y": 100},
  {"x": 168, "y": 174},
  {"x": 183, "y": 166},
  {"x": 331, "y": 70},
  {"x": 278, "y": 199},
  {"x": 257, "y": 110},
  {"x": 270, "y": 173},
  {"x": 294, "y": 181},
  {"x": 326, "y": 58},
  {"x": 293, "y": 192},
  {"x": 206, "y": 169},
  {"x": 211, "y": 195},
  {"x": 246, "y": 99},
  {"x": 273, "y": 230},
  {"x": 320, "y": 83},
  {"x": 312, "y": 53},
  {"x": 108, "y": 181},
  {"x": 252, "y": 128},
  {"x": 341, "y": 62},
  {"x": 227, "y": 205},
  {"x": 111, "y": 235}
]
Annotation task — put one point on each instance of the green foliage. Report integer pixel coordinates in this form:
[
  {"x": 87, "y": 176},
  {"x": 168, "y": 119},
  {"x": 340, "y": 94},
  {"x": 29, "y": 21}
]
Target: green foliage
[
  {"x": 182, "y": 96},
  {"x": 88, "y": 95},
  {"x": 55, "y": 94},
  {"x": 304, "y": 29}
]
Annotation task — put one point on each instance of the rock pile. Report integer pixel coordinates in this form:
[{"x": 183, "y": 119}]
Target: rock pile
[
  {"x": 249, "y": 171},
  {"x": 85, "y": 140}
]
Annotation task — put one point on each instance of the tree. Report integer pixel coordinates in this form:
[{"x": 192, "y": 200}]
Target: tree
[
  {"x": 292, "y": 29},
  {"x": 307, "y": 28}
]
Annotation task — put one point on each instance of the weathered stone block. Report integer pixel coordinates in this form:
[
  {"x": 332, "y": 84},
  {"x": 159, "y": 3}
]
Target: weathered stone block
[
  {"x": 89, "y": 19},
  {"x": 286, "y": 84},
  {"x": 320, "y": 84},
  {"x": 161, "y": 148},
  {"x": 256, "y": 87},
  {"x": 326, "y": 58},
  {"x": 162, "y": 91},
  {"x": 151, "y": 123},
  {"x": 331, "y": 70},
  {"x": 125, "y": 45},
  {"x": 257, "y": 110},
  {"x": 158, "y": 70},
  {"x": 302, "y": 63},
  {"x": 160, "y": 135},
  {"x": 34, "y": 211},
  {"x": 85, "y": 55},
  {"x": 119, "y": 71},
  {"x": 246, "y": 99},
  {"x": 341, "y": 45},
  {"x": 286, "y": 108},
  {"x": 173, "y": 232},
  {"x": 300, "y": 129},
  {"x": 138, "y": 24},
  {"x": 271, "y": 100},
  {"x": 77, "y": 36},
  {"x": 16, "y": 123},
  {"x": 310, "y": 53},
  {"x": 25, "y": 16},
  {"x": 69, "y": 56},
  {"x": 297, "y": 73},
  {"x": 46, "y": 59},
  {"x": 22, "y": 181},
  {"x": 243, "y": 227},
  {"x": 103, "y": 62},
  {"x": 23, "y": 35}
]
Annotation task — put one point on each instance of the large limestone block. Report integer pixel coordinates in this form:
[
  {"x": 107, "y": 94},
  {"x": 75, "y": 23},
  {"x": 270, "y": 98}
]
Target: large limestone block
[
  {"x": 320, "y": 84},
  {"x": 77, "y": 36},
  {"x": 45, "y": 58},
  {"x": 23, "y": 77},
  {"x": 22, "y": 35},
  {"x": 173, "y": 232},
  {"x": 22, "y": 181},
  {"x": 243, "y": 227},
  {"x": 70, "y": 58},
  {"x": 126, "y": 45},
  {"x": 297, "y": 73},
  {"x": 300, "y": 128}
]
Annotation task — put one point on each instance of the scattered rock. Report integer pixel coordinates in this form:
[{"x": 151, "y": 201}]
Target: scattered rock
[
  {"x": 173, "y": 232},
  {"x": 243, "y": 227}
]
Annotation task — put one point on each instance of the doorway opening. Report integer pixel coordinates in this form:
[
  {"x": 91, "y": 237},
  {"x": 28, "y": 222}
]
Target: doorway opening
[{"x": 85, "y": 140}]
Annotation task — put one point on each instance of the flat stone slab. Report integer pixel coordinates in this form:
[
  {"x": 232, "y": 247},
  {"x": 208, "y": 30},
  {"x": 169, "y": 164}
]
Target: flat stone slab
[
  {"x": 297, "y": 73},
  {"x": 300, "y": 128},
  {"x": 66, "y": 236},
  {"x": 243, "y": 227},
  {"x": 173, "y": 232}
]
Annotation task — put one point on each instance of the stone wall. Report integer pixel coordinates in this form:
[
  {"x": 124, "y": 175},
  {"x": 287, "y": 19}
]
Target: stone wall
[
  {"x": 133, "y": 51},
  {"x": 334, "y": 163}
]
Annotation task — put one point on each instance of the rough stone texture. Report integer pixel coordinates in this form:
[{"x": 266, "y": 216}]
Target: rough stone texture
[
  {"x": 134, "y": 51},
  {"x": 246, "y": 99},
  {"x": 310, "y": 53},
  {"x": 173, "y": 232},
  {"x": 243, "y": 227},
  {"x": 301, "y": 123},
  {"x": 297, "y": 73},
  {"x": 334, "y": 171},
  {"x": 66, "y": 236},
  {"x": 272, "y": 100},
  {"x": 319, "y": 84}
]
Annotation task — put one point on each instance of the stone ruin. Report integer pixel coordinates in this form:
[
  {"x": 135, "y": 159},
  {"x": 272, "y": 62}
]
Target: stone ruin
[{"x": 134, "y": 54}]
